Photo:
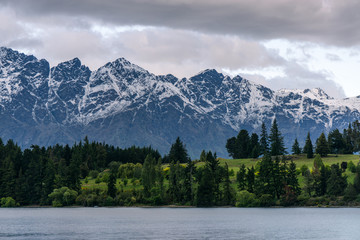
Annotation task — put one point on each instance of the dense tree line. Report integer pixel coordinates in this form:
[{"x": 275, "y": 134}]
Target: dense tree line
[
  {"x": 244, "y": 146},
  {"x": 29, "y": 176},
  {"x": 58, "y": 175}
]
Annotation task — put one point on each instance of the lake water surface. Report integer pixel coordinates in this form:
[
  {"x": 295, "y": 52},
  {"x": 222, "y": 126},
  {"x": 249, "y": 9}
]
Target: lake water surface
[{"x": 180, "y": 223}]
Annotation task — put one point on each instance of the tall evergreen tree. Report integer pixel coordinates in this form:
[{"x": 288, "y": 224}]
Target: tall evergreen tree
[
  {"x": 264, "y": 181},
  {"x": 276, "y": 140},
  {"x": 308, "y": 148},
  {"x": 228, "y": 192},
  {"x": 148, "y": 174},
  {"x": 241, "y": 178},
  {"x": 243, "y": 144},
  {"x": 336, "y": 142},
  {"x": 231, "y": 147},
  {"x": 250, "y": 179},
  {"x": 254, "y": 146},
  {"x": 322, "y": 146},
  {"x": 264, "y": 140},
  {"x": 111, "y": 186},
  {"x": 188, "y": 182},
  {"x": 205, "y": 192},
  {"x": 178, "y": 152},
  {"x": 292, "y": 180},
  {"x": 296, "y": 148},
  {"x": 336, "y": 183}
]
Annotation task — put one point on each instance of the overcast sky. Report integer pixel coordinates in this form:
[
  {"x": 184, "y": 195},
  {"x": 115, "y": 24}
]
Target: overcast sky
[{"x": 277, "y": 43}]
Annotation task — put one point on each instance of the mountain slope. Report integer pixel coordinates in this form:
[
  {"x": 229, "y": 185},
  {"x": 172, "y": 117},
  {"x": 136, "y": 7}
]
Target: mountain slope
[{"x": 123, "y": 104}]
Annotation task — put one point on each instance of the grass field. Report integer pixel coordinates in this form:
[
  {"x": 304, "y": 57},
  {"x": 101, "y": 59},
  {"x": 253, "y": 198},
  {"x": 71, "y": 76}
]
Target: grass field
[{"x": 234, "y": 164}]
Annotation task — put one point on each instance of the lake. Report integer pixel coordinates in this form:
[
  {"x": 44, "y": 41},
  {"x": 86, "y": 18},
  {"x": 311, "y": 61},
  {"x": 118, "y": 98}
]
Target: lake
[{"x": 180, "y": 223}]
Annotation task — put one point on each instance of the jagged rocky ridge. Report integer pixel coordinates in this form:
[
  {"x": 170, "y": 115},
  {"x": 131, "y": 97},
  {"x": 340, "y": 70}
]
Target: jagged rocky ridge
[{"x": 123, "y": 104}]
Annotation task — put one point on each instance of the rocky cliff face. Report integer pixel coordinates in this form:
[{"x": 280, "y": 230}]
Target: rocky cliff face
[{"x": 123, "y": 104}]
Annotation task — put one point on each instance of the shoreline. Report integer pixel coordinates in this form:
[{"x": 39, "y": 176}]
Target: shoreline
[{"x": 183, "y": 206}]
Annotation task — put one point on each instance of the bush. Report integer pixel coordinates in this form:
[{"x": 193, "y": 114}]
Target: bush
[
  {"x": 93, "y": 174},
  {"x": 56, "y": 203},
  {"x": 352, "y": 167},
  {"x": 266, "y": 200},
  {"x": 303, "y": 169},
  {"x": 350, "y": 193},
  {"x": 109, "y": 201},
  {"x": 8, "y": 202},
  {"x": 246, "y": 199},
  {"x": 63, "y": 197}
]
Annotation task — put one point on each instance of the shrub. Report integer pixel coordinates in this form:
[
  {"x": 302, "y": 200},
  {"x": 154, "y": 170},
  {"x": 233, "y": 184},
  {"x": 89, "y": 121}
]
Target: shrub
[
  {"x": 109, "y": 201},
  {"x": 63, "y": 196},
  {"x": 93, "y": 174},
  {"x": 352, "y": 167},
  {"x": 247, "y": 199},
  {"x": 266, "y": 200},
  {"x": 8, "y": 202},
  {"x": 303, "y": 169}
]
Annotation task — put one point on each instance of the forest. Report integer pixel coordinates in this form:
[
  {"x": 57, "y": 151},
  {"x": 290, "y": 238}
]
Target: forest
[{"x": 261, "y": 174}]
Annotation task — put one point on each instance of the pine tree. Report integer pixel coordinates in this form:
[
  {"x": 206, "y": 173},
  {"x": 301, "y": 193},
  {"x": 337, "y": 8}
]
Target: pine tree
[
  {"x": 308, "y": 148},
  {"x": 336, "y": 183},
  {"x": 254, "y": 146},
  {"x": 292, "y": 180},
  {"x": 188, "y": 182},
  {"x": 243, "y": 144},
  {"x": 228, "y": 192},
  {"x": 264, "y": 140},
  {"x": 250, "y": 179},
  {"x": 205, "y": 193},
  {"x": 296, "y": 148},
  {"x": 322, "y": 146},
  {"x": 324, "y": 176},
  {"x": 265, "y": 183},
  {"x": 111, "y": 186},
  {"x": 148, "y": 174},
  {"x": 212, "y": 163},
  {"x": 178, "y": 152},
  {"x": 231, "y": 147},
  {"x": 336, "y": 142},
  {"x": 241, "y": 178},
  {"x": 276, "y": 140}
]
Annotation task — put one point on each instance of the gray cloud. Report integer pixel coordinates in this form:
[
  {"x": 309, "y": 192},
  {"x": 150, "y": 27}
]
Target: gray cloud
[
  {"x": 300, "y": 77},
  {"x": 188, "y": 36},
  {"x": 325, "y": 21}
]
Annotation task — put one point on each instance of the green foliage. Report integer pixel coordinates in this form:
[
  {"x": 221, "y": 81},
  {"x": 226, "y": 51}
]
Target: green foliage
[
  {"x": 264, "y": 140},
  {"x": 178, "y": 152},
  {"x": 111, "y": 186},
  {"x": 8, "y": 202},
  {"x": 308, "y": 148},
  {"x": 318, "y": 163},
  {"x": 243, "y": 146},
  {"x": 130, "y": 170},
  {"x": 322, "y": 146},
  {"x": 296, "y": 147},
  {"x": 205, "y": 191},
  {"x": 266, "y": 200},
  {"x": 336, "y": 183},
  {"x": 247, "y": 199},
  {"x": 303, "y": 169},
  {"x": 148, "y": 174},
  {"x": 351, "y": 167},
  {"x": 63, "y": 197},
  {"x": 350, "y": 193},
  {"x": 276, "y": 140},
  {"x": 228, "y": 191},
  {"x": 336, "y": 142},
  {"x": 241, "y": 178}
]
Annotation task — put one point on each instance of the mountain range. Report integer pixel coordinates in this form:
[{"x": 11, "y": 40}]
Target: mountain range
[{"x": 123, "y": 104}]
